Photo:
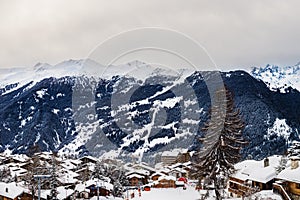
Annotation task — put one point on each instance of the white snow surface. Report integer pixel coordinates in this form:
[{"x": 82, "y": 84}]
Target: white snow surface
[
  {"x": 172, "y": 193},
  {"x": 266, "y": 195}
]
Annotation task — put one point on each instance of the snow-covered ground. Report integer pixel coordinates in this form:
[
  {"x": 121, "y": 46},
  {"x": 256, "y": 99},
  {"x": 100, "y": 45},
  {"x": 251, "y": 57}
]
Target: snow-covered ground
[
  {"x": 191, "y": 194},
  {"x": 172, "y": 193}
]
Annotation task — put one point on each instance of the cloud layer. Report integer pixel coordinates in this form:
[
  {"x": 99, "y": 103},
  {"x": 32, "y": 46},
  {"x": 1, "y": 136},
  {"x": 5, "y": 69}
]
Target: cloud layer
[{"x": 237, "y": 34}]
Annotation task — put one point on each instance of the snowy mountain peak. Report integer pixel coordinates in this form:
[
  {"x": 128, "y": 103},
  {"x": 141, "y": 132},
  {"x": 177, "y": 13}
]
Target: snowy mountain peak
[{"x": 279, "y": 78}]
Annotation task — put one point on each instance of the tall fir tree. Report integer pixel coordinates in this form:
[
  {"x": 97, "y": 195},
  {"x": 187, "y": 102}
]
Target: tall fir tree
[{"x": 222, "y": 142}]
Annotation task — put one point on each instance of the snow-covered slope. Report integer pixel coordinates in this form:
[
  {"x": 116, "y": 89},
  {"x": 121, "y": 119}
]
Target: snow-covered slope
[
  {"x": 134, "y": 108},
  {"x": 18, "y": 77},
  {"x": 279, "y": 78},
  {"x": 24, "y": 75}
]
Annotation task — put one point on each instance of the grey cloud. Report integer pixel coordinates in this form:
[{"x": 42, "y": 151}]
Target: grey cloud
[{"x": 236, "y": 33}]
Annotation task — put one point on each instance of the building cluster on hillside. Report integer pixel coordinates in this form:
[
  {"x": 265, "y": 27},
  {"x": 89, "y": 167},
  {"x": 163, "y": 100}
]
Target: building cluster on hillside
[
  {"x": 77, "y": 178},
  {"x": 84, "y": 178},
  {"x": 74, "y": 177}
]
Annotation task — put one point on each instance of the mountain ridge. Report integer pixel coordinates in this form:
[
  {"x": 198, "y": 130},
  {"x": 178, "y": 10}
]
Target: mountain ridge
[{"x": 42, "y": 113}]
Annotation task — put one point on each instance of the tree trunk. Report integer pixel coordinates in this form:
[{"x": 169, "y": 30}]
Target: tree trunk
[{"x": 217, "y": 191}]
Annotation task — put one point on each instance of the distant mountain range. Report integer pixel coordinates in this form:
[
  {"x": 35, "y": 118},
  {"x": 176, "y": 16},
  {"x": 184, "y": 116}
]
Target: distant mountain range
[
  {"x": 279, "y": 78},
  {"x": 137, "y": 109}
]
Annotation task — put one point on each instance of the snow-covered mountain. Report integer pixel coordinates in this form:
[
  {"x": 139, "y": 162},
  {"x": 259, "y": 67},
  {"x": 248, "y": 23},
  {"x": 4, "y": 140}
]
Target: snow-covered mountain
[
  {"x": 79, "y": 107},
  {"x": 279, "y": 78}
]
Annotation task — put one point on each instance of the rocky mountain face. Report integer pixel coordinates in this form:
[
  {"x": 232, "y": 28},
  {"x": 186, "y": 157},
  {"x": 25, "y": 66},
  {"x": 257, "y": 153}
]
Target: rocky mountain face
[{"x": 123, "y": 116}]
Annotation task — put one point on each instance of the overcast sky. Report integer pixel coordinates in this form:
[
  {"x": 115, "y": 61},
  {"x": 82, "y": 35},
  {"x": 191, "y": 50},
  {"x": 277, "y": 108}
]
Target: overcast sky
[{"x": 237, "y": 34}]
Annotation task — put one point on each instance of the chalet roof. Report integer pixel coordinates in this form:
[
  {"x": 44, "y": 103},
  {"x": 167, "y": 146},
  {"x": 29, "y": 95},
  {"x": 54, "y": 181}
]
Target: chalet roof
[
  {"x": 172, "y": 178},
  {"x": 12, "y": 190},
  {"x": 100, "y": 183},
  {"x": 76, "y": 162},
  {"x": 178, "y": 170},
  {"x": 157, "y": 174},
  {"x": 144, "y": 166},
  {"x": 67, "y": 164},
  {"x": 20, "y": 157},
  {"x": 135, "y": 176},
  {"x": 255, "y": 170},
  {"x": 138, "y": 171},
  {"x": 288, "y": 174},
  {"x": 295, "y": 158},
  {"x": 17, "y": 171}
]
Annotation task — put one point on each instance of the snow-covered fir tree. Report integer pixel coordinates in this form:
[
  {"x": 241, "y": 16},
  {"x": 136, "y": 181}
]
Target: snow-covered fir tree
[
  {"x": 222, "y": 142},
  {"x": 100, "y": 171},
  {"x": 5, "y": 175},
  {"x": 112, "y": 173}
]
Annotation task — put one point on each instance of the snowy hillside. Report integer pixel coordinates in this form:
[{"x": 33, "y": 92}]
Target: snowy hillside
[
  {"x": 80, "y": 107},
  {"x": 18, "y": 77},
  {"x": 279, "y": 78}
]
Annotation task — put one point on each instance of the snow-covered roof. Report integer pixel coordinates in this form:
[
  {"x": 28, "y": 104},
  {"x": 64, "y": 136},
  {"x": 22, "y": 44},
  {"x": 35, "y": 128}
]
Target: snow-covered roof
[
  {"x": 157, "y": 173},
  {"x": 12, "y": 190},
  {"x": 255, "y": 170},
  {"x": 20, "y": 157},
  {"x": 138, "y": 171},
  {"x": 45, "y": 155},
  {"x": 159, "y": 165},
  {"x": 178, "y": 170},
  {"x": 81, "y": 187},
  {"x": 76, "y": 162},
  {"x": 170, "y": 153},
  {"x": 295, "y": 158},
  {"x": 63, "y": 193},
  {"x": 288, "y": 174},
  {"x": 167, "y": 178},
  {"x": 144, "y": 166},
  {"x": 135, "y": 176},
  {"x": 17, "y": 171},
  {"x": 89, "y": 157},
  {"x": 100, "y": 183},
  {"x": 66, "y": 179},
  {"x": 68, "y": 164}
]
